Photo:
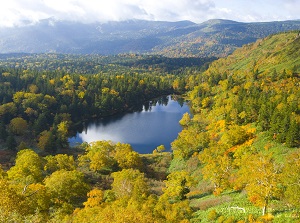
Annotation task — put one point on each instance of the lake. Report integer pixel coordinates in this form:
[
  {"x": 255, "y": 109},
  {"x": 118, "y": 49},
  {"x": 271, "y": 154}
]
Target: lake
[{"x": 157, "y": 123}]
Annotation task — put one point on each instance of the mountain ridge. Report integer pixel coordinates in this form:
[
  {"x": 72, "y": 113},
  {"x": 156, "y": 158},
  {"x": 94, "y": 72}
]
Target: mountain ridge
[{"x": 216, "y": 37}]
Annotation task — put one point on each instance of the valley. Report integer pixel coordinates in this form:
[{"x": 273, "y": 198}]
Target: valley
[{"x": 236, "y": 158}]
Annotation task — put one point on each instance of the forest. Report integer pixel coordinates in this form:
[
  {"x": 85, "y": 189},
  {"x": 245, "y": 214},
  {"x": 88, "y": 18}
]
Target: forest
[{"x": 237, "y": 158}]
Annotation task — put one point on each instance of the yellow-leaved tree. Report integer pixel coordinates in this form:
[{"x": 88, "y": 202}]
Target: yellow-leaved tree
[
  {"x": 217, "y": 167},
  {"x": 98, "y": 155},
  {"x": 66, "y": 188},
  {"x": 178, "y": 185},
  {"x": 260, "y": 175},
  {"x": 129, "y": 183},
  {"x": 95, "y": 198},
  {"x": 126, "y": 157},
  {"x": 291, "y": 179},
  {"x": 11, "y": 202},
  {"x": 18, "y": 126},
  {"x": 172, "y": 205}
]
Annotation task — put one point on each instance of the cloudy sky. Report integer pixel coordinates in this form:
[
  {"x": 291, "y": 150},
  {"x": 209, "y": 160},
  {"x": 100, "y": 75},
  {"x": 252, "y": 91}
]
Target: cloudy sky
[{"x": 15, "y": 12}]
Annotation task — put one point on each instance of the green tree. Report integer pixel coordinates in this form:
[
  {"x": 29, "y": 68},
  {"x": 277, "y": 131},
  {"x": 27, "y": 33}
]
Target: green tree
[
  {"x": 292, "y": 136},
  {"x": 178, "y": 185},
  {"x": 59, "y": 162},
  {"x": 66, "y": 187},
  {"x": 47, "y": 142},
  {"x": 11, "y": 142},
  {"x": 22, "y": 146},
  {"x": 3, "y": 132},
  {"x": 99, "y": 155},
  {"x": 8, "y": 111},
  {"x": 18, "y": 126},
  {"x": 40, "y": 124},
  {"x": 28, "y": 168}
]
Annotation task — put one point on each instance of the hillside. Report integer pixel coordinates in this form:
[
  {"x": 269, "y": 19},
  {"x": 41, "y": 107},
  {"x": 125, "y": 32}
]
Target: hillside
[
  {"x": 242, "y": 144},
  {"x": 264, "y": 55},
  {"x": 215, "y": 38}
]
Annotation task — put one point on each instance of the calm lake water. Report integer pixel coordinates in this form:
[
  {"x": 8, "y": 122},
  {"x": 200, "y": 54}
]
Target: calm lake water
[{"x": 156, "y": 124}]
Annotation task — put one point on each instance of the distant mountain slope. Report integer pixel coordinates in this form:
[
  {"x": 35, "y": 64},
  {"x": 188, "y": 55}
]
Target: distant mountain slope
[
  {"x": 221, "y": 37},
  {"x": 173, "y": 39},
  {"x": 276, "y": 52}
]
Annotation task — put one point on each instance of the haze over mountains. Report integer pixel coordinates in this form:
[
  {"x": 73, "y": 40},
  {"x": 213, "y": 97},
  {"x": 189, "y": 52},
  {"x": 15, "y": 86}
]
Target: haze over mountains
[{"x": 174, "y": 39}]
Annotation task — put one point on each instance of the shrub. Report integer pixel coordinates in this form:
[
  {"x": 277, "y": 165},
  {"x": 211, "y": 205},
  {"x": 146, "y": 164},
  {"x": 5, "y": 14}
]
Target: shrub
[
  {"x": 221, "y": 219},
  {"x": 212, "y": 215}
]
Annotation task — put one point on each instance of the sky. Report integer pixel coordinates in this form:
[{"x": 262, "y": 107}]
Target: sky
[{"x": 19, "y": 12}]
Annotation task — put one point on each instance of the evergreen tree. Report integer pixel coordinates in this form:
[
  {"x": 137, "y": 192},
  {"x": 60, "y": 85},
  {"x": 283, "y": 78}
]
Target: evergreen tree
[
  {"x": 11, "y": 142},
  {"x": 3, "y": 132},
  {"x": 292, "y": 136},
  {"x": 40, "y": 124},
  {"x": 50, "y": 145}
]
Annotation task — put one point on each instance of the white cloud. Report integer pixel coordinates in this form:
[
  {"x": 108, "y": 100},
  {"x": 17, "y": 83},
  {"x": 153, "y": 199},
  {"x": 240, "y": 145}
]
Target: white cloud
[
  {"x": 14, "y": 12},
  {"x": 260, "y": 11},
  {"x": 293, "y": 7},
  {"x": 172, "y": 10}
]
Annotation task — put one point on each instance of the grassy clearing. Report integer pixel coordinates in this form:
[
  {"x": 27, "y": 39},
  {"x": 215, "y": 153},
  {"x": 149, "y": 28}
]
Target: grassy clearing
[{"x": 234, "y": 206}]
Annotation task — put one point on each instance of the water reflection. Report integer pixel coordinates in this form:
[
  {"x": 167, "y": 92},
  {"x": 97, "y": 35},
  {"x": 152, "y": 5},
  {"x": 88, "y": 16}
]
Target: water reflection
[{"x": 154, "y": 124}]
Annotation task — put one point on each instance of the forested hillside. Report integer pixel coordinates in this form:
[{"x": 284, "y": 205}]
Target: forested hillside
[
  {"x": 243, "y": 138},
  {"x": 237, "y": 158}
]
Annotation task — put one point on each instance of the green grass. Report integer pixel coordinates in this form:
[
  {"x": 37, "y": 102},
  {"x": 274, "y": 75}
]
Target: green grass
[
  {"x": 228, "y": 205},
  {"x": 234, "y": 206},
  {"x": 264, "y": 143}
]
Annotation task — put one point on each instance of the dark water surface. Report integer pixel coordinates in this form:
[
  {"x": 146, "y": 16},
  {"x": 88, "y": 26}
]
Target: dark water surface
[{"x": 157, "y": 124}]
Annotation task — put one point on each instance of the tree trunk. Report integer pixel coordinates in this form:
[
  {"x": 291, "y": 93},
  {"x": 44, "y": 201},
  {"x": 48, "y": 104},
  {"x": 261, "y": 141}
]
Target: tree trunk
[{"x": 264, "y": 210}]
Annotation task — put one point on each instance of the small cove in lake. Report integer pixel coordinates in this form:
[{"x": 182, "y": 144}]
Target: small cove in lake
[{"x": 156, "y": 124}]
